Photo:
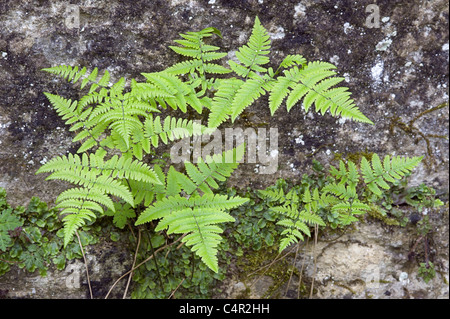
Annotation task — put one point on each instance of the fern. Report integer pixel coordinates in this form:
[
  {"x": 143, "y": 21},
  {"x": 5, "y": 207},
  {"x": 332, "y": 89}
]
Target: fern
[
  {"x": 253, "y": 55},
  {"x": 98, "y": 179},
  {"x": 295, "y": 210},
  {"x": 309, "y": 83},
  {"x": 340, "y": 197},
  {"x": 170, "y": 129},
  {"x": 198, "y": 218},
  {"x": 378, "y": 174},
  {"x": 74, "y": 74},
  {"x": 220, "y": 110},
  {"x": 200, "y": 53},
  {"x": 196, "y": 215},
  {"x": 120, "y": 124}
]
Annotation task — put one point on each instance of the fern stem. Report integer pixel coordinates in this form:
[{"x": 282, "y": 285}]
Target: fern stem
[
  {"x": 173, "y": 292},
  {"x": 292, "y": 272},
  {"x": 142, "y": 263},
  {"x": 85, "y": 264},
  {"x": 316, "y": 231},
  {"x": 134, "y": 262},
  {"x": 301, "y": 274},
  {"x": 154, "y": 259}
]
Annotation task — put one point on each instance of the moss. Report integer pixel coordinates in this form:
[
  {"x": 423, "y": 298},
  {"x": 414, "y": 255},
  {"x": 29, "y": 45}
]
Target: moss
[
  {"x": 339, "y": 284},
  {"x": 254, "y": 265},
  {"x": 374, "y": 212},
  {"x": 354, "y": 157}
]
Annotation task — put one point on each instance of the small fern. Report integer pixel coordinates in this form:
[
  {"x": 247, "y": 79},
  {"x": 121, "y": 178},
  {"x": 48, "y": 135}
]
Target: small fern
[
  {"x": 341, "y": 196},
  {"x": 197, "y": 215},
  {"x": 99, "y": 180},
  {"x": 312, "y": 83}
]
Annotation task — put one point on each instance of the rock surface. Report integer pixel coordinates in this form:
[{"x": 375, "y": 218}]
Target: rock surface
[{"x": 396, "y": 70}]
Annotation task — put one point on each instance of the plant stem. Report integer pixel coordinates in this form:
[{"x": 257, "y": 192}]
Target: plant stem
[
  {"x": 134, "y": 262},
  {"x": 85, "y": 264},
  {"x": 143, "y": 262}
]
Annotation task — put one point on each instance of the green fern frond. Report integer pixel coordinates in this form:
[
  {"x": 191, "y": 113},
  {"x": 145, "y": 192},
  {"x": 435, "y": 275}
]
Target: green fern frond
[
  {"x": 197, "y": 217},
  {"x": 98, "y": 179},
  {"x": 75, "y": 219},
  {"x": 247, "y": 93},
  {"x": 182, "y": 93},
  {"x": 74, "y": 74},
  {"x": 376, "y": 173},
  {"x": 203, "y": 176},
  {"x": 253, "y": 55},
  {"x": 79, "y": 193},
  {"x": 220, "y": 108},
  {"x": 93, "y": 165},
  {"x": 65, "y": 108},
  {"x": 296, "y": 224},
  {"x": 170, "y": 129},
  {"x": 273, "y": 195},
  {"x": 314, "y": 84},
  {"x": 298, "y": 212},
  {"x": 293, "y": 60},
  {"x": 193, "y": 47}
]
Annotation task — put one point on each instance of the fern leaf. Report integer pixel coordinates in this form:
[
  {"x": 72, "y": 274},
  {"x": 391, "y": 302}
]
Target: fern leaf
[
  {"x": 65, "y": 108},
  {"x": 315, "y": 84},
  {"x": 172, "y": 85},
  {"x": 246, "y": 95},
  {"x": 73, "y": 74},
  {"x": 75, "y": 219},
  {"x": 67, "y": 72},
  {"x": 203, "y": 176},
  {"x": 170, "y": 129},
  {"x": 253, "y": 55},
  {"x": 376, "y": 173},
  {"x": 197, "y": 217},
  {"x": 88, "y": 194},
  {"x": 220, "y": 108},
  {"x": 281, "y": 89},
  {"x": 291, "y": 60},
  {"x": 193, "y": 47}
]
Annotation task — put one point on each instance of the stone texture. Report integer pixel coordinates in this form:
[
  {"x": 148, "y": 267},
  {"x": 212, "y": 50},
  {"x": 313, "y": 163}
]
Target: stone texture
[{"x": 397, "y": 70}]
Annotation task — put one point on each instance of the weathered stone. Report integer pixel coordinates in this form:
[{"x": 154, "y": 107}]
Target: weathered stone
[{"x": 397, "y": 70}]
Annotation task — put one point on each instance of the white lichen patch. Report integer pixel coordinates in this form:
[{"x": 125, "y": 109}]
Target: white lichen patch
[
  {"x": 347, "y": 27},
  {"x": 277, "y": 34},
  {"x": 299, "y": 11},
  {"x": 384, "y": 44},
  {"x": 299, "y": 140},
  {"x": 334, "y": 59},
  {"x": 377, "y": 72}
]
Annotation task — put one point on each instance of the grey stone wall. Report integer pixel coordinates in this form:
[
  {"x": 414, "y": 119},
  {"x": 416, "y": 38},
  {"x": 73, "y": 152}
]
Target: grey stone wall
[{"x": 397, "y": 69}]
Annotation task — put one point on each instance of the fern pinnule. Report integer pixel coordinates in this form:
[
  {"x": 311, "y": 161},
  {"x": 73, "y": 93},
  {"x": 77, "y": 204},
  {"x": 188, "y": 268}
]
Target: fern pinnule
[{"x": 253, "y": 55}]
